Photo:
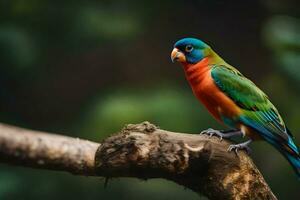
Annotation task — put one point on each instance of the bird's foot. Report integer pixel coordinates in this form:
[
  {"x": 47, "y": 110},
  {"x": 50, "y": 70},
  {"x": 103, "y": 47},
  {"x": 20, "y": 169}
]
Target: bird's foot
[
  {"x": 241, "y": 146},
  {"x": 212, "y": 132}
]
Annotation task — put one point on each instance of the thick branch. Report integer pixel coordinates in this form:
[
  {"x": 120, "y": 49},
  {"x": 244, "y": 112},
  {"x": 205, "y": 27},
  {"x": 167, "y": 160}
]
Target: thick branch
[
  {"x": 44, "y": 150},
  {"x": 143, "y": 151}
]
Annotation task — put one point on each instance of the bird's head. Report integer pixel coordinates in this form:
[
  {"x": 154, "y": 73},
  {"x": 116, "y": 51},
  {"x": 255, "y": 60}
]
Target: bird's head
[{"x": 189, "y": 51}]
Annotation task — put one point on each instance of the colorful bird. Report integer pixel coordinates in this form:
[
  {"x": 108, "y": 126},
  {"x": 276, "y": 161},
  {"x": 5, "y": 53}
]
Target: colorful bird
[{"x": 233, "y": 100}]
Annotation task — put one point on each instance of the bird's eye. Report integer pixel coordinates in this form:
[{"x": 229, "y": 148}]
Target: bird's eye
[{"x": 189, "y": 48}]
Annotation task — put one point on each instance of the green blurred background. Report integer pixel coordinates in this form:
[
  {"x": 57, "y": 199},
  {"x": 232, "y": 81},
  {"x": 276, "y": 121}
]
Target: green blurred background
[{"x": 86, "y": 68}]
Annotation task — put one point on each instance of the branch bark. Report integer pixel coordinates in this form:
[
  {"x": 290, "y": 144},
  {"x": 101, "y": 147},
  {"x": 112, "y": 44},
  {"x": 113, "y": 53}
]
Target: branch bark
[{"x": 143, "y": 151}]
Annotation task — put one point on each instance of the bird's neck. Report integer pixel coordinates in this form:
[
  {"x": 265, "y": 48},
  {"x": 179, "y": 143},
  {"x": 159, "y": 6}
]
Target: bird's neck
[
  {"x": 215, "y": 59},
  {"x": 196, "y": 73}
]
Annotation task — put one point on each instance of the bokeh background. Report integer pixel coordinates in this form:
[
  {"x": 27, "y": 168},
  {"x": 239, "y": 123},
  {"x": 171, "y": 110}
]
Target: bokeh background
[{"x": 86, "y": 68}]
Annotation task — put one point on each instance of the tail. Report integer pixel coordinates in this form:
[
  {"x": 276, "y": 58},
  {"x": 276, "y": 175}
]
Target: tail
[
  {"x": 290, "y": 151},
  {"x": 286, "y": 146},
  {"x": 294, "y": 160}
]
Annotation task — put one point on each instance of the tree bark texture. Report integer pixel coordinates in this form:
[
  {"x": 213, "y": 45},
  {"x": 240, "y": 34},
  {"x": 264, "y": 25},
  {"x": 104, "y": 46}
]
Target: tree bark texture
[{"x": 144, "y": 151}]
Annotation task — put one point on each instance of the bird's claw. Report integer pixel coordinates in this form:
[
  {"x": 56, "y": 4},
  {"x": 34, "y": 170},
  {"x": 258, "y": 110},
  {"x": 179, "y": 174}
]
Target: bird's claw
[
  {"x": 211, "y": 132},
  {"x": 237, "y": 147}
]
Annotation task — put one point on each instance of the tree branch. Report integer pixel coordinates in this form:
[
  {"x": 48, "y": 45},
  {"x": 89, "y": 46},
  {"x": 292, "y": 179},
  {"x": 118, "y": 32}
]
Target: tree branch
[{"x": 143, "y": 151}]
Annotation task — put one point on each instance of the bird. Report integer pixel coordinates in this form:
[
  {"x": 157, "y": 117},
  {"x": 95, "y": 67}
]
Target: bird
[{"x": 233, "y": 100}]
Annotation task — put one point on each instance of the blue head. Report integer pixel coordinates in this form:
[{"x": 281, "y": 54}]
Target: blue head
[{"x": 189, "y": 50}]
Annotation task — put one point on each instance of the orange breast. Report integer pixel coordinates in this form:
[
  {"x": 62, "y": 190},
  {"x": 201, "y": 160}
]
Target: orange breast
[{"x": 208, "y": 93}]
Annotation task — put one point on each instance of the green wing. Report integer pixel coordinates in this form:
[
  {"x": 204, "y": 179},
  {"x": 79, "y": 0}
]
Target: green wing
[{"x": 256, "y": 107}]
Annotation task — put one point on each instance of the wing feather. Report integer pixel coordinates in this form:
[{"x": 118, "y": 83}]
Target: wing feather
[{"x": 255, "y": 104}]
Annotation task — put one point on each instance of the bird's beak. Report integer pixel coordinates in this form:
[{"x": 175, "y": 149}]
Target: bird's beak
[{"x": 177, "y": 55}]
